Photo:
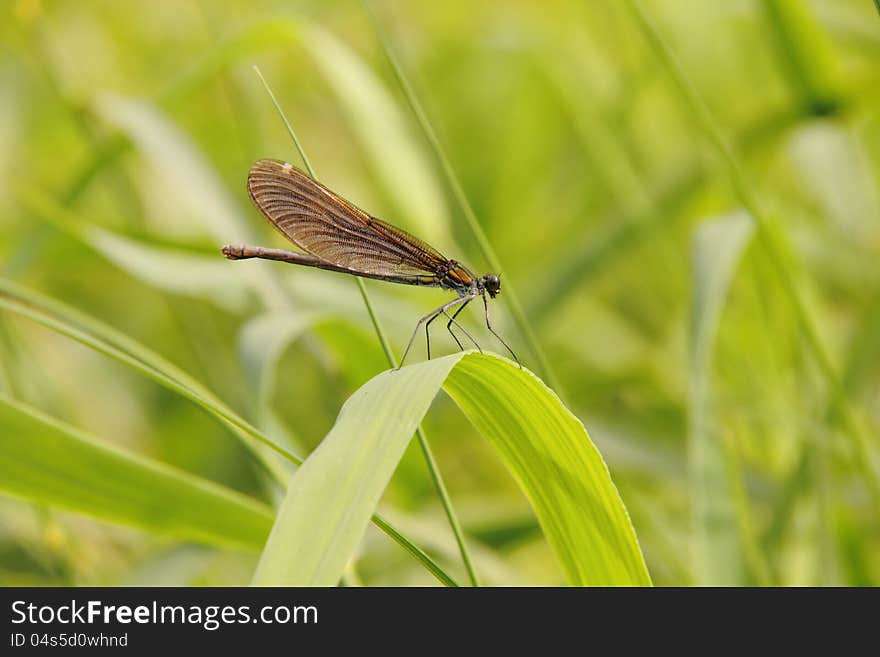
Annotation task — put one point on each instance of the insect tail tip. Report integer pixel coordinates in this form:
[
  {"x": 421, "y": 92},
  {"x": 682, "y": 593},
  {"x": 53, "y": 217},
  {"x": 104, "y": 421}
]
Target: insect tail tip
[{"x": 230, "y": 251}]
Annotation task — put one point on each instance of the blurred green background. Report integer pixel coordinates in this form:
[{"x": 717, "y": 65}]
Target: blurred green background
[{"x": 729, "y": 376}]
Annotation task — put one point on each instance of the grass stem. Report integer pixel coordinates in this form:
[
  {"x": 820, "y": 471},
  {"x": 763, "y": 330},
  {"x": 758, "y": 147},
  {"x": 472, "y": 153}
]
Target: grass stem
[{"x": 465, "y": 207}]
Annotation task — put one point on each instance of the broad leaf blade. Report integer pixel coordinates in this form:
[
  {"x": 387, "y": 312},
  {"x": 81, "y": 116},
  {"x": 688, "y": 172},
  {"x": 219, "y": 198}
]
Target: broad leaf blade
[
  {"x": 549, "y": 453},
  {"x": 332, "y": 495},
  {"x": 53, "y": 464},
  {"x": 104, "y": 339}
]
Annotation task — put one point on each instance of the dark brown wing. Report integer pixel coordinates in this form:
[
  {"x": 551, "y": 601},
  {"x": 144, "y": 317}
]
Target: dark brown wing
[{"x": 326, "y": 225}]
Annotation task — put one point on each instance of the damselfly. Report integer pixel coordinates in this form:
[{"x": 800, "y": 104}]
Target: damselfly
[{"x": 337, "y": 236}]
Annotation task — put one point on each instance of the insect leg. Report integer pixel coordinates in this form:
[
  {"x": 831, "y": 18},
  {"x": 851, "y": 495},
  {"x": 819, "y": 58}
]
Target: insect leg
[
  {"x": 492, "y": 331},
  {"x": 428, "y": 335},
  {"x": 449, "y": 325},
  {"x": 454, "y": 336},
  {"x": 429, "y": 318},
  {"x": 463, "y": 329},
  {"x": 442, "y": 310}
]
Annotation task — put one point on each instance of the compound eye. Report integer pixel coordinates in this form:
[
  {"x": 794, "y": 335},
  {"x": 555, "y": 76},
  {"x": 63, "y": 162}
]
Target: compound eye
[{"x": 493, "y": 284}]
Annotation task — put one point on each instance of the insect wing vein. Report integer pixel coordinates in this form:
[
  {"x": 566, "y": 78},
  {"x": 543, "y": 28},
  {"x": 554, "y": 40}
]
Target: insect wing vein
[{"x": 322, "y": 223}]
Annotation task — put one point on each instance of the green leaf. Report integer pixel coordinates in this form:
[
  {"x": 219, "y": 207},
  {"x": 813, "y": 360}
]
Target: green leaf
[
  {"x": 50, "y": 463},
  {"x": 110, "y": 342},
  {"x": 717, "y": 248},
  {"x": 199, "y": 196},
  {"x": 546, "y": 448},
  {"x": 261, "y": 343},
  {"x": 174, "y": 270},
  {"x": 181, "y": 168}
]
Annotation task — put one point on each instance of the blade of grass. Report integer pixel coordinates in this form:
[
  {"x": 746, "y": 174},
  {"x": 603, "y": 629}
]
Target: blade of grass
[
  {"x": 402, "y": 169},
  {"x": 423, "y": 527},
  {"x": 796, "y": 484},
  {"x": 414, "y": 550},
  {"x": 169, "y": 269},
  {"x": 227, "y": 416},
  {"x": 188, "y": 177},
  {"x": 464, "y": 205},
  {"x": 541, "y": 441},
  {"x": 545, "y": 447},
  {"x": 806, "y": 54},
  {"x": 757, "y": 568},
  {"x": 69, "y": 322},
  {"x": 392, "y": 362},
  {"x": 351, "y": 486},
  {"x": 718, "y": 561},
  {"x": 261, "y": 343},
  {"x": 51, "y": 463},
  {"x": 768, "y": 240},
  {"x": 863, "y": 351}
]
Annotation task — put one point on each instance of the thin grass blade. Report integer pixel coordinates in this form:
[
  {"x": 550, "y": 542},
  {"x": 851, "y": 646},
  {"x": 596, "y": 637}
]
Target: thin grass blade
[
  {"x": 51, "y": 463},
  {"x": 717, "y": 547}
]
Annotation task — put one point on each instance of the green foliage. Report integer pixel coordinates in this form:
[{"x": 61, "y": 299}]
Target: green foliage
[
  {"x": 550, "y": 455},
  {"x": 330, "y": 499},
  {"x": 584, "y": 149},
  {"x": 50, "y": 463}
]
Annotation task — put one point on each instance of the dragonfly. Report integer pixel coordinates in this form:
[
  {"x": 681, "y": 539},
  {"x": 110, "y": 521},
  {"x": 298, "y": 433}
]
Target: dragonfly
[{"x": 336, "y": 235}]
